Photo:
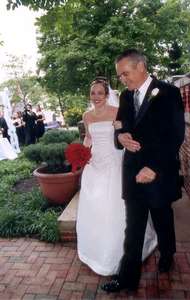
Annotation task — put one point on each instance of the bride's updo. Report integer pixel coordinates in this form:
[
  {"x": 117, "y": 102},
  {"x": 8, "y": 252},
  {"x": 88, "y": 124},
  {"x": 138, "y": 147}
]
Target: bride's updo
[{"x": 103, "y": 81}]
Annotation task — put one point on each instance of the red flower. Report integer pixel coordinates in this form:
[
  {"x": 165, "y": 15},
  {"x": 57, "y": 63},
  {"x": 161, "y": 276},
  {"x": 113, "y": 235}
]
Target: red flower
[{"x": 77, "y": 155}]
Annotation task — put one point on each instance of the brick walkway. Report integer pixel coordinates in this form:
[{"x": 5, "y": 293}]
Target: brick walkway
[{"x": 30, "y": 269}]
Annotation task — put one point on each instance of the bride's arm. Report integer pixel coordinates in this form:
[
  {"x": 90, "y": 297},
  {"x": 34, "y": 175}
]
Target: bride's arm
[{"x": 87, "y": 139}]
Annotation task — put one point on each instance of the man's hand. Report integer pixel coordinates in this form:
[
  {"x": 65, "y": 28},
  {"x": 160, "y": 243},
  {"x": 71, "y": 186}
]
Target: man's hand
[
  {"x": 127, "y": 142},
  {"x": 146, "y": 175}
]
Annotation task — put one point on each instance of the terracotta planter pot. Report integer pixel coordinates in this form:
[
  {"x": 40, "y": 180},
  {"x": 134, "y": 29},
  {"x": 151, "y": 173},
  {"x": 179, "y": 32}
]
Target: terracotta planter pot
[{"x": 58, "y": 188}]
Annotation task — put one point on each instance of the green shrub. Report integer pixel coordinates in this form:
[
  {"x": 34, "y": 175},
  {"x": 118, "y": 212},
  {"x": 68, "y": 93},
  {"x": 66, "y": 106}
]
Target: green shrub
[
  {"x": 12, "y": 171},
  {"x": 21, "y": 166},
  {"x": 51, "y": 154},
  {"x": 31, "y": 201},
  {"x": 20, "y": 223},
  {"x": 73, "y": 115},
  {"x": 51, "y": 149},
  {"x": 54, "y": 156},
  {"x": 59, "y": 136},
  {"x": 8, "y": 220},
  {"x": 33, "y": 152},
  {"x": 47, "y": 227}
]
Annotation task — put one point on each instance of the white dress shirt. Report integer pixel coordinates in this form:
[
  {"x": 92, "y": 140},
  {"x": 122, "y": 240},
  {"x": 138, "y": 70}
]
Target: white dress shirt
[{"x": 143, "y": 89}]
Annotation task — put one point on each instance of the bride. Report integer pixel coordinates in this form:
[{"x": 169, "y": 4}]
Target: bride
[{"x": 101, "y": 213}]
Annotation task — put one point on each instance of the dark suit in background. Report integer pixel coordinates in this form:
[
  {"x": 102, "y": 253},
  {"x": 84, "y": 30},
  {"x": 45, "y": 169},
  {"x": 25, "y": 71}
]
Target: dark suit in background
[
  {"x": 4, "y": 128},
  {"x": 29, "y": 118}
]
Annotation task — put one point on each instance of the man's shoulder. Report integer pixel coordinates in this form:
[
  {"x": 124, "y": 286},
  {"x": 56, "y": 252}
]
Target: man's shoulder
[
  {"x": 167, "y": 86},
  {"x": 126, "y": 93}
]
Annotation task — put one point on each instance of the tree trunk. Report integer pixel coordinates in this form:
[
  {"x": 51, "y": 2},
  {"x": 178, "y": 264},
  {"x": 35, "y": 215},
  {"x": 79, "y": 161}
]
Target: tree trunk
[{"x": 62, "y": 107}]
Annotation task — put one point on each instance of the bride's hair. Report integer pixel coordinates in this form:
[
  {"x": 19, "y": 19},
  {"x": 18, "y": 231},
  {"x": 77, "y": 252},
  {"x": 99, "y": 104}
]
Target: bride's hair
[
  {"x": 103, "y": 81},
  {"x": 112, "y": 95}
]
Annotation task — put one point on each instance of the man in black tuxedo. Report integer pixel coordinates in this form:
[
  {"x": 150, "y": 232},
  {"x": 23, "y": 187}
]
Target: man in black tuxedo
[
  {"x": 29, "y": 119},
  {"x": 3, "y": 126},
  {"x": 152, "y": 117}
]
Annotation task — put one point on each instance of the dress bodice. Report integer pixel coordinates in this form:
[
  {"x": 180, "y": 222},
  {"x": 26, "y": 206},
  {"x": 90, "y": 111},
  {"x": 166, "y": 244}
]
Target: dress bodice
[
  {"x": 101, "y": 133},
  {"x": 103, "y": 148}
]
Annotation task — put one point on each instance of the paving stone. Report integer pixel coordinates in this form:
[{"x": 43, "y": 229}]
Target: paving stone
[
  {"x": 45, "y": 297},
  {"x": 56, "y": 287},
  {"x": 35, "y": 270},
  {"x": 29, "y": 297},
  {"x": 65, "y": 295}
]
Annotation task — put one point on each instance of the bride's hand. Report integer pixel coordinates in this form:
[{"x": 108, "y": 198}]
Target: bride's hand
[
  {"x": 87, "y": 141},
  {"x": 117, "y": 124}
]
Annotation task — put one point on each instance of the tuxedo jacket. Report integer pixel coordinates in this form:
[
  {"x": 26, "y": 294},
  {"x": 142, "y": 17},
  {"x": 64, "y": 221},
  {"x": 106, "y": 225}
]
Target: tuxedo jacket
[
  {"x": 3, "y": 125},
  {"x": 159, "y": 128}
]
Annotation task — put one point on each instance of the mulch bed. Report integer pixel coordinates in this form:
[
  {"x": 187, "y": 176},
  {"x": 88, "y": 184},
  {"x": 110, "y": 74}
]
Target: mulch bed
[{"x": 26, "y": 185}]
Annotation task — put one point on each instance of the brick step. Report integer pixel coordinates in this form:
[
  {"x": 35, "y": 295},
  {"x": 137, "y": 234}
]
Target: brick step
[
  {"x": 68, "y": 237},
  {"x": 67, "y": 221}
]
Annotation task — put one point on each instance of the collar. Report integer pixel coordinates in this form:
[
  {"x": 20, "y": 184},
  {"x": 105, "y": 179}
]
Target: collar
[{"x": 144, "y": 87}]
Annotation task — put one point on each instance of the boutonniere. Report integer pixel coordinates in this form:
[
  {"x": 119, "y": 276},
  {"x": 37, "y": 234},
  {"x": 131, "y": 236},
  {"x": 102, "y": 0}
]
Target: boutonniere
[{"x": 153, "y": 94}]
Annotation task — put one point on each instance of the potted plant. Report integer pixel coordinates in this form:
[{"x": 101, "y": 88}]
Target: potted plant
[{"x": 61, "y": 164}]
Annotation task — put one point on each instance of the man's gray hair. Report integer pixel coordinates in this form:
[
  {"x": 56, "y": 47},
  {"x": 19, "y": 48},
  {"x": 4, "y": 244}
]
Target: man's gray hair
[{"x": 134, "y": 55}]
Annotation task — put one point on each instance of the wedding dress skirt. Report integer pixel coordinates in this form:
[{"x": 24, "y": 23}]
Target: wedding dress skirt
[
  {"x": 101, "y": 220},
  {"x": 6, "y": 150}
]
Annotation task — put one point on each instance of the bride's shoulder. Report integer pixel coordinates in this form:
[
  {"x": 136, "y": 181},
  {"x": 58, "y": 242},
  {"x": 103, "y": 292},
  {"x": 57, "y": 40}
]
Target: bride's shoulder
[
  {"x": 113, "y": 110},
  {"x": 87, "y": 115}
]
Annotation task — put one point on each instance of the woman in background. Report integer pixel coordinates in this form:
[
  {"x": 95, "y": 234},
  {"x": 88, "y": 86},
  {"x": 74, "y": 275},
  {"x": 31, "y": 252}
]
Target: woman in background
[{"x": 19, "y": 124}]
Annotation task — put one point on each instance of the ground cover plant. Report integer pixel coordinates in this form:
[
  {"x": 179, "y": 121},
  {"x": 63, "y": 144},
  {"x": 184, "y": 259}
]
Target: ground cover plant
[{"x": 23, "y": 209}]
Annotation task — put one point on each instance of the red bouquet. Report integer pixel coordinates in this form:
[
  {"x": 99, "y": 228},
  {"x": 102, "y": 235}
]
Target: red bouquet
[{"x": 77, "y": 155}]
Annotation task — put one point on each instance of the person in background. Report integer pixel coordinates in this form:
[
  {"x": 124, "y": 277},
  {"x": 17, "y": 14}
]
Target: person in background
[
  {"x": 29, "y": 118},
  {"x": 40, "y": 118},
  {"x": 3, "y": 126},
  {"x": 19, "y": 124}
]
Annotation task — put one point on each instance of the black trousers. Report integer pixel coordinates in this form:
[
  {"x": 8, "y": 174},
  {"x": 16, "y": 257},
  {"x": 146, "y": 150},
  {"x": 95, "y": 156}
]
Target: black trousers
[
  {"x": 137, "y": 216},
  {"x": 30, "y": 136}
]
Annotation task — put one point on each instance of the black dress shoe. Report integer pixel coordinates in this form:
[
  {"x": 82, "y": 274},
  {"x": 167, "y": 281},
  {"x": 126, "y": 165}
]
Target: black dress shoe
[
  {"x": 115, "y": 286},
  {"x": 112, "y": 286},
  {"x": 165, "y": 264}
]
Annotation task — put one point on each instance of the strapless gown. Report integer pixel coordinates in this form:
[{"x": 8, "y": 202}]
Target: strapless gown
[{"x": 101, "y": 219}]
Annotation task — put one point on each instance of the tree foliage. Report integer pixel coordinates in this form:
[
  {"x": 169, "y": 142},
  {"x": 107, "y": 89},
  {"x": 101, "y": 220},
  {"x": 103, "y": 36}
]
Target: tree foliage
[
  {"x": 80, "y": 40},
  {"x": 34, "y": 4},
  {"x": 23, "y": 85}
]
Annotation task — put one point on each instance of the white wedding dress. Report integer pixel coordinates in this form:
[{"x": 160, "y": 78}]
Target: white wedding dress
[{"x": 101, "y": 211}]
